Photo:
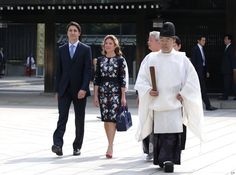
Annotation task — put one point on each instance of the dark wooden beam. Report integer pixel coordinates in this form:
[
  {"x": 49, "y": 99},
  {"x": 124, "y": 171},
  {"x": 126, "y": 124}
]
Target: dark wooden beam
[
  {"x": 49, "y": 55},
  {"x": 65, "y": 2},
  {"x": 141, "y": 40},
  {"x": 231, "y": 17}
]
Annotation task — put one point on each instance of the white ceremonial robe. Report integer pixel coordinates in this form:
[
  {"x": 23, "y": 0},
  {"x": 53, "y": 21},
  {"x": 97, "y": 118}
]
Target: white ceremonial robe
[
  {"x": 174, "y": 74},
  {"x": 126, "y": 76}
]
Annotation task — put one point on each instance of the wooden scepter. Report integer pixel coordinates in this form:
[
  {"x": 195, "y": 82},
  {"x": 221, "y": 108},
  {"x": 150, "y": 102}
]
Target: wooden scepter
[{"x": 153, "y": 78}]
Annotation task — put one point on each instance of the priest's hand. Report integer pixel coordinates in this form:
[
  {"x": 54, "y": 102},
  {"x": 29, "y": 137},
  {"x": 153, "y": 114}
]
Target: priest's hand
[
  {"x": 154, "y": 93},
  {"x": 179, "y": 97}
]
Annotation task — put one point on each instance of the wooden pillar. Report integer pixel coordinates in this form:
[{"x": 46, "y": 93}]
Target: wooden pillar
[
  {"x": 141, "y": 42},
  {"x": 49, "y": 56},
  {"x": 231, "y": 18}
]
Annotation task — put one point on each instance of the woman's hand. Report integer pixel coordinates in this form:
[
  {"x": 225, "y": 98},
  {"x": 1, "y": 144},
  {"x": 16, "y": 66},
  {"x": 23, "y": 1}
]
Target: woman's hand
[
  {"x": 123, "y": 101},
  {"x": 95, "y": 101}
]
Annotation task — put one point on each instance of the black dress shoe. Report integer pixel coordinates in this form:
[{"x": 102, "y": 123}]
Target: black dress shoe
[
  {"x": 223, "y": 98},
  {"x": 234, "y": 98},
  {"x": 211, "y": 108},
  {"x": 161, "y": 164},
  {"x": 76, "y": 152},
  {"x": 169, "y": 167},
  {"x": 57, "y": 149}
]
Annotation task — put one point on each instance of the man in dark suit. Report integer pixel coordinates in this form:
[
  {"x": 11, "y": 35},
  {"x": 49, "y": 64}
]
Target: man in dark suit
[
  {"x": 2, "y": 63},
  {"x": 72, "y": 85},
  {"x": 227, "y": 66},
  {"x": 200, "y": 63}
]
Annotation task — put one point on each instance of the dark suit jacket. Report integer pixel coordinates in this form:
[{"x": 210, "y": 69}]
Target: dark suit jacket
[
  {"x": 75, "y": 72},
  {"x": 228, "y": 62},
  {"x": 197, "y": 62}
]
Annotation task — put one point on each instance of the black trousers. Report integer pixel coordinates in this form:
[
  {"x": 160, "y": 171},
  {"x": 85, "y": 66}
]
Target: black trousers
[
  {"x": 64, "y": 103},
  {"x": 167, "y": 147},
  {"x": 146, "y": 144},
  {"x": 205, "y": 98},
  {"x": 228, "y": 85},
  {"x": 2, "y": 68},
  {"x": 183, "y": 137}
]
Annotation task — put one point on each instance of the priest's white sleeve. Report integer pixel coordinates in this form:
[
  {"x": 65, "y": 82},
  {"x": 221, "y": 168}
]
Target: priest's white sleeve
[
  {"x": 143, "y": 86},
  {"x": 192, "y": 101}
]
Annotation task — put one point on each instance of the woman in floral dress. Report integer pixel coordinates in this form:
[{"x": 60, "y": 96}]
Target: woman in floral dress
[{"x": 109, "y": 86}]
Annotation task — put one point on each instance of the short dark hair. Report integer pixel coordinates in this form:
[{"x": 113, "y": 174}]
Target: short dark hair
[
  {"x": 230, "y": 37},
  {"x": 199, "y": 37},
  {"x": 177, "y": 40},
  {"x": 73, "y": 23}
]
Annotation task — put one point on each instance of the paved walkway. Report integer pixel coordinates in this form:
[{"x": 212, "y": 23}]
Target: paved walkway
[
  {"x": 28, "y": 119},
  {"x": 36, "y": 84}
]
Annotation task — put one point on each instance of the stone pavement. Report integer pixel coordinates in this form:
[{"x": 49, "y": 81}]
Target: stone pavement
[
  {"x": 22, "y": 83},
  {"x": 35, "y": 84},
  {"x": 28, "y": 119}
]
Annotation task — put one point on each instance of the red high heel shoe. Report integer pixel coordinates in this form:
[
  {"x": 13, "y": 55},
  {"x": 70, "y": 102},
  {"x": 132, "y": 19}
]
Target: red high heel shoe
[{"x": 108, "y": 155}]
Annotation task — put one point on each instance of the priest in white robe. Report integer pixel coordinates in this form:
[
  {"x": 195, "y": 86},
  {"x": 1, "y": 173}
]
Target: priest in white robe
[{"x": 177, "y": 100}]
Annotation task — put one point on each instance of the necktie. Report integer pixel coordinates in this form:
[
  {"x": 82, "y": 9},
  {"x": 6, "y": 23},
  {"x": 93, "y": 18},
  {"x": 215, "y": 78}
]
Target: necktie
[
  {"x": 72, "y": 51},
  {"x": 203, "y": 57},
  {"x": 226, "y": 48}
]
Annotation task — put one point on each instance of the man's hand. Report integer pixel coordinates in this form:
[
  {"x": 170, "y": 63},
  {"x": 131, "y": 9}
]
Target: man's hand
[
  {"x": 208, "y": 75},
  {"x": 56, "y": 96},
  {"x": 179, "y": 97},
  {"x": 154, "y": 93},
  {"x": 81, "y": 94}
]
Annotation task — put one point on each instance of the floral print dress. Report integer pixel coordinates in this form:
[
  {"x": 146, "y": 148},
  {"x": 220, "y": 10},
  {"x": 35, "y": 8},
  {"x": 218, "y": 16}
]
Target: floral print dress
[{"x": 109, "y": 77}]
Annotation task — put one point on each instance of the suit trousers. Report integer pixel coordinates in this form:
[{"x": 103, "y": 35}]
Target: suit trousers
[
  {"x": 64, "y": 103},
  {"x": 148, "y": 144},
  {"x": 228, "y": 85},
  {"x": 205, "y": 98}
]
